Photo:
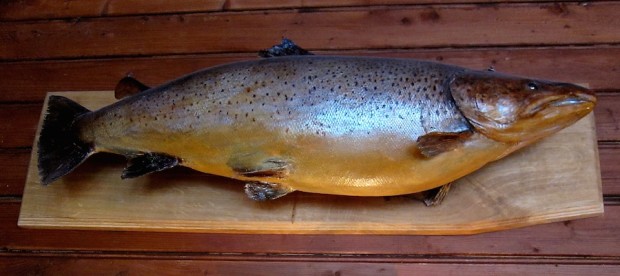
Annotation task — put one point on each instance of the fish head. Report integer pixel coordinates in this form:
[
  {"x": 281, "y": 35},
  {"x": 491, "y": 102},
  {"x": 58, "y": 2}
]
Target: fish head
[{"x": 512, "y": 109}]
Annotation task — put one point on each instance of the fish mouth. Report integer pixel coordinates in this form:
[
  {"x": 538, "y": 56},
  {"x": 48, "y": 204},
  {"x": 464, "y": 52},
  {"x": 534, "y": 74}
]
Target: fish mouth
[
  {"x": 574, "y": 101},
  {"x": 569, "y": 101}
]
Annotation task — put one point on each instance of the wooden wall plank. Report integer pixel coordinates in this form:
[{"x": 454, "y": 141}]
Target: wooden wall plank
[
  {"x": 609, "y": 155},
  {"x": 14, "y": 164},
  {"x": 584, "y": 237},
  {"x": 608, "y": 118},
  {"x": 20, "y": 123},
  {"x": 79, "y": 265},
  {"x": 402, "y": 27},
  {"x": 607, "y": 112},
  {"x": 42, "y": 9},
  {"x": 29, "y": 81}
]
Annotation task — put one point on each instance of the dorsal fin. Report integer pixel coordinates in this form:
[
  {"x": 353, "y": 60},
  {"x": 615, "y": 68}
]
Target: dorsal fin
[
  {"x": 286, "y": 48},
  {"x": 128, "y": 86}
]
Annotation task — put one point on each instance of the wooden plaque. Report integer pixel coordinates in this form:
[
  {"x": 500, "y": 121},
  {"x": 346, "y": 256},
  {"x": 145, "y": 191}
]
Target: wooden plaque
[{"x": 556, "y": 179}]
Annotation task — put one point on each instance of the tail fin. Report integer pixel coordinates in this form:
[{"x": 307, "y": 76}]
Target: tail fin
[{"x": 60, "y": 148}]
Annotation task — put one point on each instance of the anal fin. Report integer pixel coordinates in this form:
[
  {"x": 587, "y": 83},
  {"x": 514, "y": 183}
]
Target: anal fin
[
  {"x": 286, "y": 48},
  {"x": 148, "y": 163},
  {"x": 262, "y": 191},
  {"x": 432, "y": 197}
]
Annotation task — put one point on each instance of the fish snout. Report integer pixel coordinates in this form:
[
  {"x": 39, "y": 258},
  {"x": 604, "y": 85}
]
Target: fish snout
[
  {"x": 586, "y": 96},
  {"x": 560, "y": 95},
  {"x": 576, "y": 95}
]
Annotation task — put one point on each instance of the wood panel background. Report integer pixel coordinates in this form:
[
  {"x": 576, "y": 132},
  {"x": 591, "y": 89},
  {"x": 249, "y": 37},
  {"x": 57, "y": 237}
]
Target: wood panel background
[{"x": 90, "y": 44}]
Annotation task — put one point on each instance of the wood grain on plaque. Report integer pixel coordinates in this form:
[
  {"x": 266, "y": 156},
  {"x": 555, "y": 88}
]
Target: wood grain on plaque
[{"x": 557, "y": 179}]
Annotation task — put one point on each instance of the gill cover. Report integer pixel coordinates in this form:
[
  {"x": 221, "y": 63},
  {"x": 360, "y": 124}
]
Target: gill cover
[{"x": 511, "y": 109}]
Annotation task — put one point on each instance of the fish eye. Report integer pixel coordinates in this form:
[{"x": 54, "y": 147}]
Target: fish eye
[{"x": 532, "y": 86}]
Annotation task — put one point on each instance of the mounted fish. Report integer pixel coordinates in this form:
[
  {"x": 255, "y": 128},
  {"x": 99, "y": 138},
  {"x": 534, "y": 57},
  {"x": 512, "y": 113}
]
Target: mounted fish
[{"x": 293, "y": 121}]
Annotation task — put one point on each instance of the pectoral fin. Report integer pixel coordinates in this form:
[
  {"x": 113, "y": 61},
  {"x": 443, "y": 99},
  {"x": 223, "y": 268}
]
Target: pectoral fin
[
  {"x": 262, "y": 191},
  {"x": 148, "y": 163},
  {"x": 285, "y": 48},
  {"x": 435, "y": 143},
  {"x": 128, "y": 86}
]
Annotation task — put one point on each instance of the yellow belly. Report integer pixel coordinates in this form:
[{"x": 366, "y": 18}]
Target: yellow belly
[{"x": 380, "y": 166}]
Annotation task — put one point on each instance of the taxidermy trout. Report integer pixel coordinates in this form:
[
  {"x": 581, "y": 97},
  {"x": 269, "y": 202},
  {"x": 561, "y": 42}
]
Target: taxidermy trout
[{"x": 293, "y": 121}]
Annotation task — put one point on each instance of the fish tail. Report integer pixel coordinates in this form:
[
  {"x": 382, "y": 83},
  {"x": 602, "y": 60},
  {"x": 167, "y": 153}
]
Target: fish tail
[{"x": 60, "y": 149}]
